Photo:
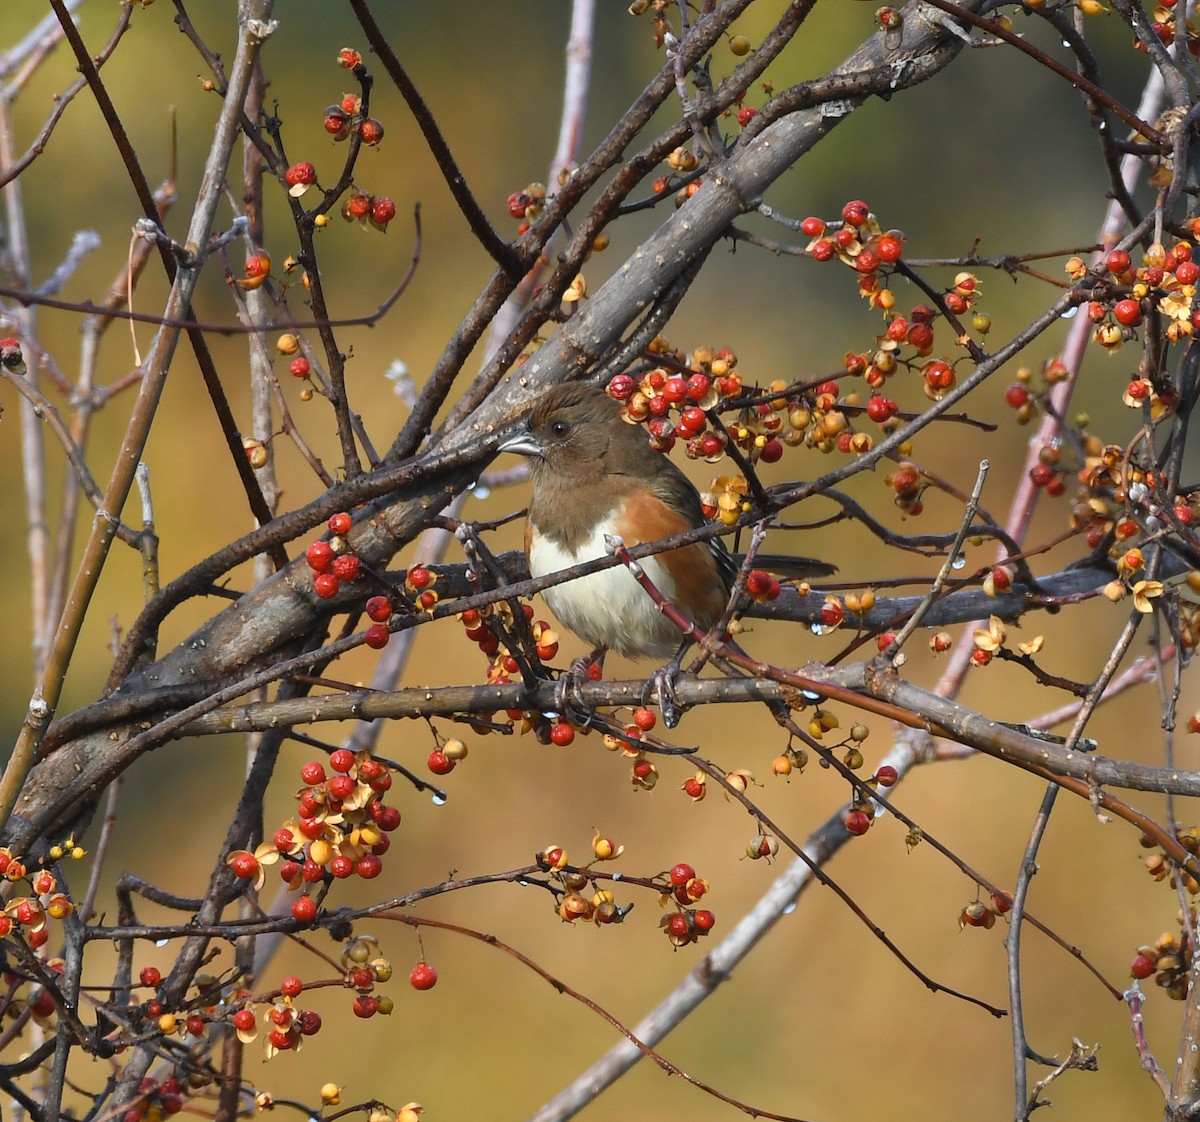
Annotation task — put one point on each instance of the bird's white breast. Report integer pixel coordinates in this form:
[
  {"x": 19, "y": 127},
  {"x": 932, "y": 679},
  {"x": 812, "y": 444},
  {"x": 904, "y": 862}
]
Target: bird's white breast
[{"x": 607, "y": 609}]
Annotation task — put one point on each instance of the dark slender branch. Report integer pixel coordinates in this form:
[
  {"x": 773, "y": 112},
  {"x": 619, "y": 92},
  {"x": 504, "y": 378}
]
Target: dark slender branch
[{"x": 500, "y": 252}]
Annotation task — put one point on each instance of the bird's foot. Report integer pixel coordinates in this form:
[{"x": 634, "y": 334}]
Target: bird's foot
[
  {"x": 663, "y": 685},
  {"x": 568, "y": 694}
]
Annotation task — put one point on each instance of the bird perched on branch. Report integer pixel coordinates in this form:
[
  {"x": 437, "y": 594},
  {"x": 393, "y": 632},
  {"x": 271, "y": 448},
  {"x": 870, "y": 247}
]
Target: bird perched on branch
[{"x": 594, "y": 474}]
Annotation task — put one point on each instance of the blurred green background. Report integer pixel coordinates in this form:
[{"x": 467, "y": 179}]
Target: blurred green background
[{"x": 821, "y": 1021}]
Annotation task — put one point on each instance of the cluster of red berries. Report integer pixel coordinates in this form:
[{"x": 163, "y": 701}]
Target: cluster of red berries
[
  {"x": 909, "y": 486},
  {"x": 195, "y": 1022},
  {"x": 334, "y": 562},
  {"x": 859, "y": 816},
  {"x": 601, "y": 906},
  {"x": 156, "y": 1098},
  {"x": 287, "y": 1026},
  {"x": 27, "y": 917},
  {"x": 1166, "y": 279},
  {"x": 1169, "y": 961},
  {"x": 984, "y": 913},
  {"x": 346, "y": 118},
  {"x": 687, "y": 924},
  {"x": 1162, "y": 23},
  {"x": 676, "y": 396},
  {"x": 376, "y": 210},
  {"x": 683, "y": 162},
  {"x": 501, "y": 662},
  {"x": 342, "y": 829},
  {"x": 1024, "y": 400},
  {"x": 1169, "y": 958}
]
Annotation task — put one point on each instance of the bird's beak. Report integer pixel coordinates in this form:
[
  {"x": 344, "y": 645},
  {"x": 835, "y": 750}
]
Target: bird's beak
[{"x": 523, "y": 442}]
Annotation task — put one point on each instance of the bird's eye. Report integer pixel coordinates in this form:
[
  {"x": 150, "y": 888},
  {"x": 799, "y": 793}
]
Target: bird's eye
[{"x": 559, "y": 429}]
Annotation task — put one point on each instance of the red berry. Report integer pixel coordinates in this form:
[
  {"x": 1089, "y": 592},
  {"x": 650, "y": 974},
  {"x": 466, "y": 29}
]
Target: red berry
[
  {"x": 342, "y": 786},
  {"x": 703, "y": 919},
  {"x": 150, "y": 976},
  {"x": 920, "y": 335},
  {"x": 645, "y": 719},
  {"x": 326, "y": 585},
  {"x": 302, "y": 173},
  {"x": 678, "y": 927},
  {"x": 341, "y": 866},
  {"x": 357, "y": 205},
  {"x": 771, "y": 452},
  {"x": 823, "y": 249},
  {"x": 244, "y": 865},
  {"x": 423, "y": 977},
  {"x": 832, "y": 613},
  {"x": 1016, "y": 395},
  {"x": 812, "y": 227},
  {"x": 855, "y": 212},
  {"x": 621, "y": 387},
  {"x": 1128, "y": 313},
  {"x": 562, "y": 734},
  {"x": 383, "y": 210},
  {"x": 342, "y": 760},
  {"x": 347, "y": 566},
  {"x": 675, "y": 389},
  {"x": 376, "y": 636},
  {"x": 1041, "y": 474},
  {"x": 1142, "y": 967},
  {"x": 363, "y": 979},
  {"x": 880, "y": 409},
  {"x": 312, "y": 774},
  {"x": 300, "y": 367},
  {"x": 319, "y": 556},
  {"x": 339, "y": 523},
  {"x": 939, "y": 376},
  {"x": 682, "y": 873},
  {"x": 889, "y": 248},
  {"x": 336, "y": 123},
  {"x": 368, "y": 866},
  {"x": 365, "y": 1005},
  {"x": 371, "y": 131},
  {"x": 304, "y": 909},
  {"x": 1187, "y": 272},
  {"x": 867, "y": 261},
  {"x": 311, "y": 828},
  {"x": 857, "y": 822},
  {"x": 419, "y": 577},
  {"x": 311, "y": 872},
  {"x": 291, "y": 986},
  {"x": 388, "y": 818},
  {"x": 308, "y": 1022},
  {"x": 887, "y": 775},
  {"x": 244, "y": 1019},
  {"x": 1118, "y": 262},
  {"x": 439, "y": 763},
  {"x": 746, "y": 114}
]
